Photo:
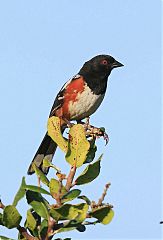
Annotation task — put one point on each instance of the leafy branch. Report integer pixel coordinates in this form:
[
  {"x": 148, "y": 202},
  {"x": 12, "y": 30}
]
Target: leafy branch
[{"x": 45, "y": 219}]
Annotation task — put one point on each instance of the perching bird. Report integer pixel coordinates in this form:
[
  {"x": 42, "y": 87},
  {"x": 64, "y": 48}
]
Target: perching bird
[{"x": 78, "y": 98}]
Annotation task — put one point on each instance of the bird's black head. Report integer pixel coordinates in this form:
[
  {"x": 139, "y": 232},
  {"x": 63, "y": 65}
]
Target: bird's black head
[{"x": 100, "y": 66}]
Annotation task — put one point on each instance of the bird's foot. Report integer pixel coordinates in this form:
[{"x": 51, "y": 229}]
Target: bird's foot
[{"x": 95, "y": 132}]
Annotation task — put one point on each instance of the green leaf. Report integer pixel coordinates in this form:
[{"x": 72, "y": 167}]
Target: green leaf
[
  {"x": 34, "y": 196},
  {"x": 65, "y": 212},
  {"x": 90, "y": 173},
  {"x": 54, "y": 131},
  {"x": 82, "y": 211},
  {"x": 11, "y": 217},
  {"x": 92, "y": 151},
  {"x": 31, "y": 221},
  {"x": 76, "y": 212},
  {"x": 36, "y": 216},
  {"x": 81, "y": 228},
  {"x": 20, "y": 194},
  {"x": 36, "y": 189},
  {"x": 78, "y": 146},
  {"x": 54, "y": 187},
  {"x": 86, "y": 199},
  {"x": 38, "y": 203},
  {"x": 43, "y": 228},
  {"x": 103, "y": 214},
  {"x": 47, "y": 163},
  {"x": 72, "y": 225},
  {"x": 70, "y": 195},
  {"x": 5, "y": 238},
  {"x": 40, "y": 174},
  {"x": 40, "y": 208},
  {"x": 54, "y": 214},
  {"x": 102, "y": 129}
]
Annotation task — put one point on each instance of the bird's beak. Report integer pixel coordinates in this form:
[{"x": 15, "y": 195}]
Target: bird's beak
[{"x": 117, "y": 64}]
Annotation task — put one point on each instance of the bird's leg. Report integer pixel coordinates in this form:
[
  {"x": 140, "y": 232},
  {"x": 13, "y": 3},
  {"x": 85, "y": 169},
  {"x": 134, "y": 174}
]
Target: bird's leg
[
  {"x": 87, "y": 123},
  {"x": 97, "y": 133},
  {"x": 68, "y": 123},
  {"x": 79, "y": 122}
]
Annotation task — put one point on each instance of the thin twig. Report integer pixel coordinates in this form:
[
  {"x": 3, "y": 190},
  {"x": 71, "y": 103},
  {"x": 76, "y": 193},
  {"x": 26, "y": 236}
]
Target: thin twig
[
  {"x": 101, "y": 199},
  {"x": 90, "y": 223},
  {"x": 51, "y": 224},
  {"x": 70, "y": 177},
  {"x": 25, "y": 234},
  {"x": 39, "y": 181}
]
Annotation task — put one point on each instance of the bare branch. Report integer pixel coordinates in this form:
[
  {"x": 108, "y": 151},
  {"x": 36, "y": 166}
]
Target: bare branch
[
  {"x": 50, "y": 232},
  {"x": 70, "y": 177},
  {"x": 100, "y": 201}
]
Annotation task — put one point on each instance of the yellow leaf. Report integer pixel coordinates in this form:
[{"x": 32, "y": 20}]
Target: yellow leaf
[
  {"x": 54, "y": 187},
  {"x": 78, "y": 146},
  {"x": 54, "y": 131},
  {"x": 103, "y": 214}
]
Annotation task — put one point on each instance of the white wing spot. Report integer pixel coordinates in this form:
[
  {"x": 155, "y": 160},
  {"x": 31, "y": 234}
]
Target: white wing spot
[
  {"x": 67, "y": 83},
  {"x": 60, "y": 98}
]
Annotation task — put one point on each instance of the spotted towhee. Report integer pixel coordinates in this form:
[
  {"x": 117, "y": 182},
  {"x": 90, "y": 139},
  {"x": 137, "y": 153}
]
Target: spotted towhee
[{"x": 78, "y": 98}]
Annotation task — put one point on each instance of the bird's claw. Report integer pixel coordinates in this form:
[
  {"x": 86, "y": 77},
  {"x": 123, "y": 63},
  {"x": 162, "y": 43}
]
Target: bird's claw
[
  {"x": 103, "y": 134},
  {"x": 92, "y": 131},
  {"x": 106, "y": 138}
]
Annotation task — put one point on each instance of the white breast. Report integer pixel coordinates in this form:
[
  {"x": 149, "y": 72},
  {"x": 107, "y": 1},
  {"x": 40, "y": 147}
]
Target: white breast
[{"x": 85, "y": 105}]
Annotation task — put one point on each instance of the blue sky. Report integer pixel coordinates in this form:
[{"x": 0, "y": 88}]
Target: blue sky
[{"x": 42, "y": 45}]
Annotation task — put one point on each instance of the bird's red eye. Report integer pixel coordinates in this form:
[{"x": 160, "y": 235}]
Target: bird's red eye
[{"x": 104, "y": 62}]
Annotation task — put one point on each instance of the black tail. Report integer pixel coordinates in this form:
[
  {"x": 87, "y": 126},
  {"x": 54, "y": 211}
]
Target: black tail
[{"x": 46, "y": 149}]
